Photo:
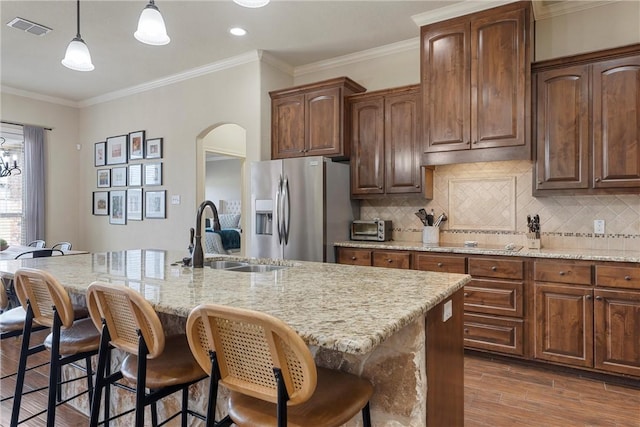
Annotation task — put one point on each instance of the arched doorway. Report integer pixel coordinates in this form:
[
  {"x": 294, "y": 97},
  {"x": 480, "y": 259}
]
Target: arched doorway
[{"x": 221, "y": 154}]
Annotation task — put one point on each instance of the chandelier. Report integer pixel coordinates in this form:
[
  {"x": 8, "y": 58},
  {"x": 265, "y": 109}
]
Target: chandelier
[{"x": 5, "y": 169}]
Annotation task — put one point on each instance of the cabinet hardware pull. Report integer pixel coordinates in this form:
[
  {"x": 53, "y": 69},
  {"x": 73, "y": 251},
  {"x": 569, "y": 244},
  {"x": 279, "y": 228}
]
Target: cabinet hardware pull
[
  {"x": 562, "y": 273},
  {"x": 439, "y": 264},
  {"x": 494, "y": 268},
  {"x": 539, "y": 182},
  {"x": 588, "y": 297},
  {"x": 380, "y": 188},
  {"x": 627, "y": 278},
  {"x": 466, "y": 294},
  {"x": 353, "y": 257},
  {"x": 389, "y": 260},
  {"x": 468, "y": 142},
  {"x": 475, "y": 142},
  {"x": 466, "y": 331},
  {"x": 597, "y": 179},
  {"x": 417, "y": 186},
  {"x": 301, "y": 151},
  {"x": 598, "y": 298}
]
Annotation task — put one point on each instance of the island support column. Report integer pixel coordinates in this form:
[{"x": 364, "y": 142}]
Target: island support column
[{"x": 445, "y": 363}]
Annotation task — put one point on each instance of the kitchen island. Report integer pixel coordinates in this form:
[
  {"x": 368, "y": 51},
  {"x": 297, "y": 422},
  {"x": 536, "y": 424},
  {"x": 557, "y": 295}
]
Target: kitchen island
[{"x": 397, "y": 328}]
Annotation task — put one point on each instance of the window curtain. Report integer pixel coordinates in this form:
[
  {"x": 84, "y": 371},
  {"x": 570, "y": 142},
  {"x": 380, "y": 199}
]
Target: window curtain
[{"x": 34, "y": 183}]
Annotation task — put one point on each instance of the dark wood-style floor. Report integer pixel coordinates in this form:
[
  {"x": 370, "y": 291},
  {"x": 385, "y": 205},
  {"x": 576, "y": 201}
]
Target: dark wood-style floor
[{"x": 497, "y": 393}]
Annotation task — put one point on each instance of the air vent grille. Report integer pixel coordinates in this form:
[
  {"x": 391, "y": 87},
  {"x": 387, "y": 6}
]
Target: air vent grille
[{"x": 28, "y": 26}]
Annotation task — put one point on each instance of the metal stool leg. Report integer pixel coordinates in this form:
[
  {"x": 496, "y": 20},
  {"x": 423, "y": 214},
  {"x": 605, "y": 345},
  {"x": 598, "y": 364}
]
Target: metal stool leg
[{"x": 22, "y": 366}]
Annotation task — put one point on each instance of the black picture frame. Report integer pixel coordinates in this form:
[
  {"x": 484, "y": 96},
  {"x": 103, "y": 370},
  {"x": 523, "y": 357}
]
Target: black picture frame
[
  {"x": 118, "y": 207},
  {"x": 100, "y": 203},
  {"x": 136, "y": 145},
  {"x": 103, "y": 178},
  {"x": 155, "y": 205},
  {"x": 117, "y": 149},
  {"x": 100, "y": 154},
  {"x": 153, "y": 148}
]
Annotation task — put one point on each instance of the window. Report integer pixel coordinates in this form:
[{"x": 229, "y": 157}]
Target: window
[{"x": 11, "y": 203}]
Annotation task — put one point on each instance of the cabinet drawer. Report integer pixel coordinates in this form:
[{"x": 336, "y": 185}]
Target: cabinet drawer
[
  {"x": 354, "y": 256},
  {"x": 494, "y": 297},
  {"x": 498, "y": 268},
  {"x": 494, "y": 334},
  {"x": 442, "y": 264},
  {"x": 391, "y": 259},
  {"x": 618, "y": 277},
  {"x": 558, "y": 272}
]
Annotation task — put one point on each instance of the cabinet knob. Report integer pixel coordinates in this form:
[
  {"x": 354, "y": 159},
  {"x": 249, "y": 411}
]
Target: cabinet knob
[
  {"x": 539, "y": 182},
  {"x": 627, "y": 278},
  {"x": 466, "y": 331},
  {"x": 389, "y": 260},
  {"x": 466, "y": 294},
  {"x": 597, "y": 179},
  {"x": 417, "y": 185},
  {"x": 562, "y": 273},
  {"x": 301, "y": 151},
  {"x": 588, "y": 297},
  {"x": 598, "y": 298},
  {"x": 494, "y": 268},
  {"x": 439, "y": 264},
  {"x": 468, "y": 142},
  {"x": 475, "y": 142},
  {"x": 380, "y": 187},
  {"x": 353, "y": 258}
]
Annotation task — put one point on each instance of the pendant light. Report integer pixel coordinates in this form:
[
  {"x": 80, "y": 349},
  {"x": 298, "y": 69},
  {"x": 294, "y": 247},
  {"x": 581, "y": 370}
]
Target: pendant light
[
  {"x": 77, "y": 56},
  {"x": 151, "y": 29},
  {"x": 252, "y": 3}
]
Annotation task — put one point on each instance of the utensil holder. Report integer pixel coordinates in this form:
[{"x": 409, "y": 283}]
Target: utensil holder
[
  {"x": 431, "y": 235},
  {"x": 533, "y": 241}
]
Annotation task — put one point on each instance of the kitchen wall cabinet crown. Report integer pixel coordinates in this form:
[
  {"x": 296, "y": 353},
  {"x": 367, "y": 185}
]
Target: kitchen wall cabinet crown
[
  {"x": 311, "y": 120},
  {"x": 475, "y": 76},
  {"x": 385, "y": 143},
  {"x": 587, "y": 115}
]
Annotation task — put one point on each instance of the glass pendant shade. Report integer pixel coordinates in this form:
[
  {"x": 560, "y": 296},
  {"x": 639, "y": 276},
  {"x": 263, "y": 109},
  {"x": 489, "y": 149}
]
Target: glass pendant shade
[
  {"x": 151, "y": 29},
  {"x": 77, "y": 56},
  {"x": 252, "y": 3}
]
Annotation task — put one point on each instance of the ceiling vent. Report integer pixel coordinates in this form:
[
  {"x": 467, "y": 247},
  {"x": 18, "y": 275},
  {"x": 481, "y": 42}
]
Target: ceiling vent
[{"x": 28, "y": 26}]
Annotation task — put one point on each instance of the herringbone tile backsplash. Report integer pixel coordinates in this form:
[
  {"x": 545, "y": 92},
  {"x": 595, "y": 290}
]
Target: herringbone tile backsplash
[{"x": 489, "y": 202}]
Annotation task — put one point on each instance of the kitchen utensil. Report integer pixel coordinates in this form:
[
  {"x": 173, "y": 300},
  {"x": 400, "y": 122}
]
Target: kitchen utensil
[{"x": 422, "y": 214}]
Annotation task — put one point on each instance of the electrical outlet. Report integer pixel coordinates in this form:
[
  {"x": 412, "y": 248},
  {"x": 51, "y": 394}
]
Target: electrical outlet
[
  {"x": 447, "y": 312},
  {"x": 598, "y": 226}
]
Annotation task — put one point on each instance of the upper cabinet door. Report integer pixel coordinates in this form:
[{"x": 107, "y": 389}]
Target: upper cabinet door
[
  {"x": 288, "y": 128},
  {"x": 499, "y": 77},
  {"x": 616, "y": 123},
  {"x": 402, "y": 150},
  {"x": 367, "y": 146},
  {"x": 323, "y": 122},
  {"x": 562, "y": 136},
  {"x": 446, "y": 86}
]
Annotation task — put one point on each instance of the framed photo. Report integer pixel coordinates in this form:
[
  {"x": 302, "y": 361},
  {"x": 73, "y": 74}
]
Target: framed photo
[
  {"x": 99, "y": 154},
  {"x": 135, "y": 175},
  {"x": 136, "y": 145},
  {"x": 117, "y": 207},
  {"x": 117, "y": 150},
  {"x": 153, "y": 174},
  {"x": 155, "y": 204},
  {"x": 119, "y": 177},
  {"x": 104, "y": 178},
  {"x": 101, "y": 203},
  {"x": 134, "y": 204},
  {"x": 153, "y": 149}
]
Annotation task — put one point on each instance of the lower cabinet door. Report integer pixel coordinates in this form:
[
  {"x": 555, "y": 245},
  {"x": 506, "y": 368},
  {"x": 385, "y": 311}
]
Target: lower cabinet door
[
  {"x": 494, "y": 333},
  {"x": 617, "y": 331}
]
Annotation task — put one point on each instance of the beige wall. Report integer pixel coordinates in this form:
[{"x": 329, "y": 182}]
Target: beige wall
[{"x": 63, "y": 207}]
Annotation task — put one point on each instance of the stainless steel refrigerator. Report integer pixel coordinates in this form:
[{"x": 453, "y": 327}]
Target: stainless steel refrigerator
[{"x": 299, "y": 208}]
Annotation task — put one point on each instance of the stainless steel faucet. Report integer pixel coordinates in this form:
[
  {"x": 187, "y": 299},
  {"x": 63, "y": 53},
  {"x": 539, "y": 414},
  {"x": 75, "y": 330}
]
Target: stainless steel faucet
[{"x": 197, "y": 259}]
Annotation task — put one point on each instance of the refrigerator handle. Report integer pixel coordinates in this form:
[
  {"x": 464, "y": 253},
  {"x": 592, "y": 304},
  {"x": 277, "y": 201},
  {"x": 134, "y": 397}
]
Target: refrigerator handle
[
  {"x": 277, "y": 210},
  {"x": 286, "y": 220}
]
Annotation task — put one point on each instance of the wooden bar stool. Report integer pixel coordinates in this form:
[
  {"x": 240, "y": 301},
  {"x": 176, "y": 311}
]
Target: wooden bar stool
[
  {"x": 162, "y": 364},
  {"x": 270, "y": 371},
  {"x": 48, "y": 304}
]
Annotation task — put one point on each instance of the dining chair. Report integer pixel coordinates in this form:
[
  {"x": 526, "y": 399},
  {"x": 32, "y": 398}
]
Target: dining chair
[
  {"x": 162, "y": 364},
  {"x": 37, "y": 244},
  {"x": 270, "y": 372},
  {"x": 40, "y": 253},
  {"x": 64, "y": 246},
  {"x": 47, "y": 303}
]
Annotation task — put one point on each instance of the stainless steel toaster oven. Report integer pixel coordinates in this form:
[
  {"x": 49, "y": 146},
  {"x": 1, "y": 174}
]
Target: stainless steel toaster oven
[{"x": 375, "y": 229}]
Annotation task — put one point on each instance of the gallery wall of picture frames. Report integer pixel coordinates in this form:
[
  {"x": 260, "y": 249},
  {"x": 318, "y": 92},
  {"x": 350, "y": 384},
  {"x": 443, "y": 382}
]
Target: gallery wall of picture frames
[{"x": 124, "y": 165}]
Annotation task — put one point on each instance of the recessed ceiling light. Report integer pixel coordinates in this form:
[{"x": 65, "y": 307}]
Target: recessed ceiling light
[{"x": 237, "y": 31}]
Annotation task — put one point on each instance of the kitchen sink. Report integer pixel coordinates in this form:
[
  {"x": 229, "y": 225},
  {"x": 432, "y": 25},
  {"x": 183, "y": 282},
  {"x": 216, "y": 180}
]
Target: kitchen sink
[
  {"x": 257, "y": 268},
  {"x": 223, "y": 265}
]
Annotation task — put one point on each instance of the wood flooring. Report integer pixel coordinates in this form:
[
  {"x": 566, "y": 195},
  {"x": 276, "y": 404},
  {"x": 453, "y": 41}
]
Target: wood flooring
[{"x": 498, "y": 393}]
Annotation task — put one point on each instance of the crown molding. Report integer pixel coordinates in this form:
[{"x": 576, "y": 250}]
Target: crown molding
[
  {"x": 455, "y": 10},
  {"x": 545, "y": 9},
  {"x": 225, "y": 64},
  {"x": 278, "y": 64},
  {"x": 39, "y": 97},
  {"x": 377, "y": 52}
]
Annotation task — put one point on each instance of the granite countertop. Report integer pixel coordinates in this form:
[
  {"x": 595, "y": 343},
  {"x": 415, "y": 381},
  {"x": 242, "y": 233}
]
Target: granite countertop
[
  {"x": 340, "y": 307},
  {"x": 571, "y": 254}
]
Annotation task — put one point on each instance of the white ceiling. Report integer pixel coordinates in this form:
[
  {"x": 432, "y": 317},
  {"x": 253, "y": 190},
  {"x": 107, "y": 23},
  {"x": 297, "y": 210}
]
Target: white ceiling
[{"x": 295, "y": 32}]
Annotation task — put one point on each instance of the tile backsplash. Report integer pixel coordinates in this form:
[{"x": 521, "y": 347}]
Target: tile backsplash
[{"x": 489, "y": 202}]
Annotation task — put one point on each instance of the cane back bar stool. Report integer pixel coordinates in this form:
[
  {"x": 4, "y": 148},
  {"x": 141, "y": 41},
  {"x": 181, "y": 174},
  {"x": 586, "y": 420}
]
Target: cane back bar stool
[
  {"x": 270, "y": 371},
  {"x": 48, "y": 304},
  {"x": 162, "y": 364}
]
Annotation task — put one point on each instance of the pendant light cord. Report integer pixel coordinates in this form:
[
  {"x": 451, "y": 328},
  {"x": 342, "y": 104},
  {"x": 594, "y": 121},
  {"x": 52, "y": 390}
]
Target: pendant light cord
[{"x": 78, "y": 19}]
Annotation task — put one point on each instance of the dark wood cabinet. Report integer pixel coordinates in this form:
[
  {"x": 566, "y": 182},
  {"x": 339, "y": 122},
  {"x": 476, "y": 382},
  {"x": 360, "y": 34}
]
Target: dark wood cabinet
[
  {"x": 385, "y": 157},
  {"x": 439, "y": 263},
  {"x": 375, "y": 258},
  {"x": 587, "y": 115},
  {"x": 353, "y": 256},
  {"x": 476, "y": 92},
  {"x": 311, "y": 120}
]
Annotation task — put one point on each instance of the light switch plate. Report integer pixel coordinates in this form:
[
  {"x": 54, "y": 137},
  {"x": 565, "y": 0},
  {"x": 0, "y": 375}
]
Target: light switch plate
[
  {"x": 598, "y": 226},
  {"x": 447, "y": 312},
  {"x": 175, "y": 199}
]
